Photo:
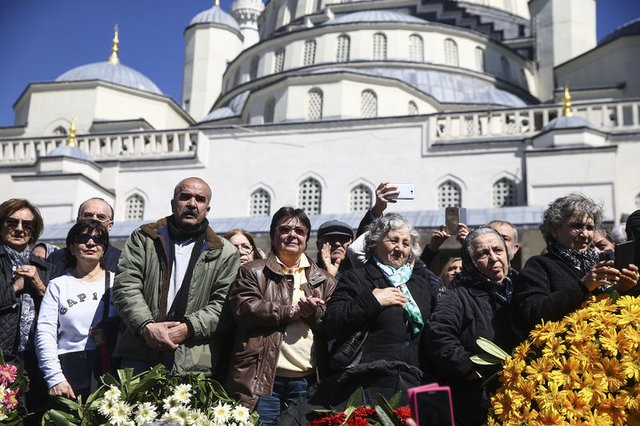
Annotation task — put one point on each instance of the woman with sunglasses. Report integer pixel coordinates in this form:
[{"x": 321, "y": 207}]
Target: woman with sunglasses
[
  {"x": 278, "y": 305},
  {"x": 68, "y": 332},
  {"x": 23, "y": 279}
]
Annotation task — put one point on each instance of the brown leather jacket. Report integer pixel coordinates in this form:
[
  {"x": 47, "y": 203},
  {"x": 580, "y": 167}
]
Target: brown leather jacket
[{"x": 261, "y": 302}]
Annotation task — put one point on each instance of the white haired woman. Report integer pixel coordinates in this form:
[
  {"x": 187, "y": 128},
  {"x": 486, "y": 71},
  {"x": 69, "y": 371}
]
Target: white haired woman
[{"x": 556, "y": 283}]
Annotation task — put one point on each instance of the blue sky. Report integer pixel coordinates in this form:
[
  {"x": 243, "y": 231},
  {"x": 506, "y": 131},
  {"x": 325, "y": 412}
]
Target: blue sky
[{"x": 41, "y": 39}]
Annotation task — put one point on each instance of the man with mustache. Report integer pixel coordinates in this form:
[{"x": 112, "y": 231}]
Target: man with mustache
[
  {"x": 172, "y": 281},
  {"x": 333, "y": 239}
]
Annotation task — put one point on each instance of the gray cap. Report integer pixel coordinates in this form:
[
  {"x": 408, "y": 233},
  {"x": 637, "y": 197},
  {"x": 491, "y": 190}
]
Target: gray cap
[{"x": 335, "y": 227}]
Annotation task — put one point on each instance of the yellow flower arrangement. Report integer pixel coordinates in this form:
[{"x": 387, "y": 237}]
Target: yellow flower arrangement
[{"x": 584, "y": 369}]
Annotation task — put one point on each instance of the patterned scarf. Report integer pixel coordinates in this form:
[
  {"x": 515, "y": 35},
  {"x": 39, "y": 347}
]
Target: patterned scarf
[
  {"x": 583, "y": 261},
  {"x": 398, "y": 277},
  {"x": 28, "y": 307}
]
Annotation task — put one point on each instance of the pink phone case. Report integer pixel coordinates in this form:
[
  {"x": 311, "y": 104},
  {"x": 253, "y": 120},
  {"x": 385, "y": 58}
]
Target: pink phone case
[{"x": 412, "y": 394}]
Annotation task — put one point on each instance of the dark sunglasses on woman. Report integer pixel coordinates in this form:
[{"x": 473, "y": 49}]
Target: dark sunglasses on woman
[{"x": 84, "y": 239}]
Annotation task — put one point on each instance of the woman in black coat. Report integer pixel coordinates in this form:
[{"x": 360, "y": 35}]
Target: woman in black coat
[
  {"x": 477, "y": 306},
  {"x": 390, "y": 298},
  {"x": 556, "y": 283}
]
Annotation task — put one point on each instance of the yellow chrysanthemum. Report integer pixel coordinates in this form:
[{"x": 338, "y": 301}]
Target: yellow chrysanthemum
[{"x": 542, "y": 332}]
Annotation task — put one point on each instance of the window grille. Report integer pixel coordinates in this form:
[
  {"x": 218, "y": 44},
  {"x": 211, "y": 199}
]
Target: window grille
[
  {"x": 269, "y": 110},
  {"x": 369, "y": 104},
  {"x": 504, "y": 193},
  {"x": 379, "y": 47},
  {"x": 315, "y": 100},
  {"x": 279, "y": 60},
  {"x": 416, "y": 48},
  {"x": 360, "y": 199},
  {"x": 260, "y": 203},
  {"x": 480, "y": 61},
  {"x": 449, "y": 195},
  {"x": 344, "y": 47},
  {"x": 253, "y": 68},
  {"x": 134, "y": 208},
  {"x": 309, "y": 52},
  {"x": 309, "y": 196},
  {"x": 450, "y": 52}
]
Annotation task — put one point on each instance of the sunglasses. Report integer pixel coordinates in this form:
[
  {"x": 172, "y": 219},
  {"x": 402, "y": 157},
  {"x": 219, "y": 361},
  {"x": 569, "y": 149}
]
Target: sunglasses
[
  {"x": 13, "y": 223},
  {"x": 299, "y": 230},
  {"x": 85, "y": 238}
]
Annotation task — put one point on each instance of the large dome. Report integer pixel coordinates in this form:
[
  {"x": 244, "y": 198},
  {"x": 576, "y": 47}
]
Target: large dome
[
  {"x": 215, "y": 15},
  {"x": 114, "y": 73},
  {"x": 375, "y": 16}
]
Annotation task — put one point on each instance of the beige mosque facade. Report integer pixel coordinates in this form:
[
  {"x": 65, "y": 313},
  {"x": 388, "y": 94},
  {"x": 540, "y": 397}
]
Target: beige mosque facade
[{"x": 312, "y": 103}]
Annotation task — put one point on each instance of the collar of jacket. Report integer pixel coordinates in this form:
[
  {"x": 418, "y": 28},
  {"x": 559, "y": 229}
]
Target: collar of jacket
[
  {"x": 159, "y": 231},
  {"x": 314, "y": 276}
]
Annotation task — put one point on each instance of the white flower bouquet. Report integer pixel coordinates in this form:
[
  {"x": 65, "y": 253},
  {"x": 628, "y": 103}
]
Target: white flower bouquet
[{"x": 154, "y": 396}]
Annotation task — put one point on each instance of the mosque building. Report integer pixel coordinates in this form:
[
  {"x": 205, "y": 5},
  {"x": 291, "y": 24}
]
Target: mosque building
[{"x": 499, "y": 106}]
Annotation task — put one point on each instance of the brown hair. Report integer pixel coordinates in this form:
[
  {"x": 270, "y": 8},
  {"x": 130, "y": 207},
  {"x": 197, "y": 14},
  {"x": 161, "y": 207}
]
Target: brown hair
[
  {"x": 248, "y": 236},
  {"x": 13, "y": 205}
]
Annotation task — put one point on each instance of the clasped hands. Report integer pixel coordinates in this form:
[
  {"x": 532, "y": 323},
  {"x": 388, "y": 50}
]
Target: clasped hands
[
  {"x": 165, "y": 336},
  {"x": 605, "y": 274},
  {"x": 307, "y": 306}
]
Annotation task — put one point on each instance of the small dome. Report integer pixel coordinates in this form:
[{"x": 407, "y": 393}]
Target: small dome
[
  {"x": 215, "y": 15},
  {"x": 375, "y": 16},
  {"x": 564, "y": 122},
  {"x": 70, "y": 151},
  {"x": 114, "y": 73}
]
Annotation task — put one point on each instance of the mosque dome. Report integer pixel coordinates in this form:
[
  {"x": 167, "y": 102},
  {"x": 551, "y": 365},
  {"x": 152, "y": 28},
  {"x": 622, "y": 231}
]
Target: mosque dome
[
  {"x": 215, "y": 15},
  {"x": 375, "y": 16},
  {"x": 112, "y": 71}
]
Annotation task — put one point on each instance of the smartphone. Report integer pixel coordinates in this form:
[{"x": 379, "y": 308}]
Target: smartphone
[
  {"x": 625, "y": 254},
  {"x": 405, "y": 191},
  {"x": 452, "y": 217},
  {"x": 431, "y": 405}
]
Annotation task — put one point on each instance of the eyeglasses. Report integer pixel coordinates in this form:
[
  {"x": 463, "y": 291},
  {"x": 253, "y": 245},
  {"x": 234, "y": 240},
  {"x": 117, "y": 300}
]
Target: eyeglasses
[
  {"x": 102, "y": 218},
  {"x": 85, "y": 238},
  {"x": 13, "y": 223},
  {"x": 299, "y": 230},
  {"x": 244, "y": 248}
]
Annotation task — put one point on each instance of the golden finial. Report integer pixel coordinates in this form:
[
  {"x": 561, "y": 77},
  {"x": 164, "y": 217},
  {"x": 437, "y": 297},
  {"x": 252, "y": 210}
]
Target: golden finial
[
  {"x": 114, "y": 48},
  {"x": 566, "y": 109},
  {"x": 71, "y": 140}
]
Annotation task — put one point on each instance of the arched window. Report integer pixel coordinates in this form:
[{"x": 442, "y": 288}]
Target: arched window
[
  {"x": 134, "y": 208},
  {"x": 278, "y": 63},
  {"x": 504, "y": 193},
  {"x": 309, "y": 195},
  {"x": 369, "y": 104},
  {"x": 253, "y": 67},
  {"x": 506, "y": 69},
  {"x": 269, "y": 110},
  {"x": 344, "y": 47},
  {"x": 449, "y": 195},
  {"x": 260, "y": 203},
  {"x": 416, "y": 48},
  {"x": 315, "y": 99},
  {"x": 480, "y": 61},
  {"x": 61, "y": 131},
  {"x": 412, "y": 108},
  {"x": 450, "y": 52},
  {"x": 309, "y": 52},
  {"x": 379, "y": 47},
  {"x": 360, "y": 199}
]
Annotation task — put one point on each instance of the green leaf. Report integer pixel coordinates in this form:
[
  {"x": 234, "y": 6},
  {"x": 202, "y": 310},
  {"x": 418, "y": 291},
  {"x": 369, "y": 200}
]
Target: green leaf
[
  {"x": 57, "y": 417},
  {"x": 387, "y": 409},
  {"x": 355, "y": 399},
  {"x": 491, "y": 348},
  {"x": 486, "y": 359},
  {"x": 385, "y": 419}
]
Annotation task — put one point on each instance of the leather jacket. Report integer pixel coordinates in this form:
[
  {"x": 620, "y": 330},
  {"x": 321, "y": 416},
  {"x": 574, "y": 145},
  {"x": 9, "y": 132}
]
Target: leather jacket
[{"x": 261, "y": 302}]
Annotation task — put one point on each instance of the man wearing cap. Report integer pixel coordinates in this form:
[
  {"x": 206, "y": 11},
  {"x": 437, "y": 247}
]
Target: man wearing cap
[{"x": 333, "y": 239}]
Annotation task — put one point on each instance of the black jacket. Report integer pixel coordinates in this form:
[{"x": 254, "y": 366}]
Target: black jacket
[
  {"x": 354, "y": 307},
  {"x": 547, "y": 289},
  {"x": 10, "y": 304},
  {"x": 59, "y": 260},
  {"x": 470, "y": 310}
]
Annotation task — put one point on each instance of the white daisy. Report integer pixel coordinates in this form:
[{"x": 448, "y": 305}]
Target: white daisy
[
  {"x": 112, "y": 394},
  {"x": 240, "y": 414},
  {"x": 221, "y": 412},
  {"x": 182, "y": 393},
  {"x": 170, "y": 402},
  {"x": 146, "y": 413},
  {"x": 105, "y": 407},
  {"x": 120, "y": 412}
]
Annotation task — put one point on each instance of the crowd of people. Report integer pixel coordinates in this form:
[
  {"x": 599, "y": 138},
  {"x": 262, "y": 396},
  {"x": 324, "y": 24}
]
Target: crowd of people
[{"x": 286, "y": 335}]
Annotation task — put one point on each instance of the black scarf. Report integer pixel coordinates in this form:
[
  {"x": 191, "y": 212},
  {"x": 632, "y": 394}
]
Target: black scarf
[
  {"x": 179, "y": 235},
  {"x": 583, "y": 261}
]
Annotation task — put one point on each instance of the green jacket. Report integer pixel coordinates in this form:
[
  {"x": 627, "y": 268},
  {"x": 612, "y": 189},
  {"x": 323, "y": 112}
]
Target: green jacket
[{"x": 143, "y": 270}]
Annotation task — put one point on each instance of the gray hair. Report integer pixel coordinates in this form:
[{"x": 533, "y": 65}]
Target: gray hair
[
  {"x": 564, "y": 207},
  {"x": 507, "y": 223},
  {"x": 379, "y": 229}
]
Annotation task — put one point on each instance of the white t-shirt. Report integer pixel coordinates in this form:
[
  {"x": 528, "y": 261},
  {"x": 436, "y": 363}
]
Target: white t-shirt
[{"x": 70, "y": 307}]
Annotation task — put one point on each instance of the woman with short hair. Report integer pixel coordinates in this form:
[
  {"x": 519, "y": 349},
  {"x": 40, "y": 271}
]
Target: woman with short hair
[
  {"x": 556, "y": 283},
  {"x": 244, "y": 242}
]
